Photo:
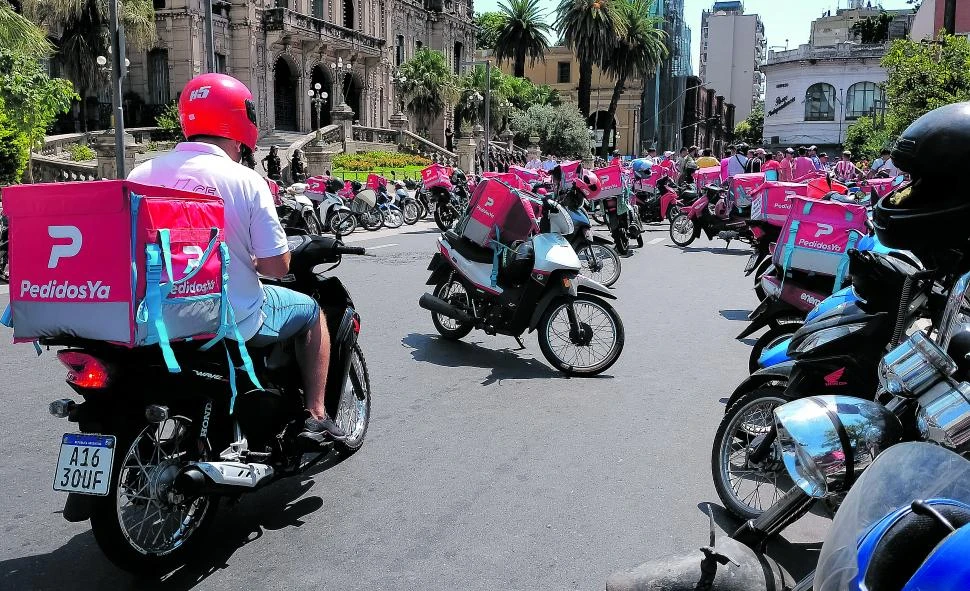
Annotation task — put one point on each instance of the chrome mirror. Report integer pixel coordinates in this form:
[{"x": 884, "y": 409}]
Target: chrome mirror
[{"x": 828, "y": 441}]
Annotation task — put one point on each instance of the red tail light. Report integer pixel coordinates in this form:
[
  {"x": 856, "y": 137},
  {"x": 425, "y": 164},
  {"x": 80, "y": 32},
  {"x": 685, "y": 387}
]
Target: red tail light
[
  {"x": 85, "y": 371},
  {"x": 356, "y": 324}
]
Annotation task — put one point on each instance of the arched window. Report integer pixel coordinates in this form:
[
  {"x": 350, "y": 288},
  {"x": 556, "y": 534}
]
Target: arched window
[
  {"x": 861, "y": 98},
  {"x": 820, "y": 102}
]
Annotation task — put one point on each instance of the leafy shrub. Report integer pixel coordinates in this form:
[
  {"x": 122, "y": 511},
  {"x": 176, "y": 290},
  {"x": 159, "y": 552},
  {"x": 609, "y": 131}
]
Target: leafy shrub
[
  {"x": 152, "y": 146},
  {"x": 168, "y": 120},
  {"x": 13, "y": 153},
  {"x": 378, "y": 160},
  {"x": 562, "y": 130},
  {"x": 80, "y": 153}
]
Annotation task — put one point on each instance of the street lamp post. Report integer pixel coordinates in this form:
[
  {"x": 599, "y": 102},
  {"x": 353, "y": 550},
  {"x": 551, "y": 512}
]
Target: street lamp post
[
  {"x": 116, "y": 32},
  {"x": 339, "y": 69},
  {"x": 317, "y": 98},
  {"x": 488, "y": 101}
]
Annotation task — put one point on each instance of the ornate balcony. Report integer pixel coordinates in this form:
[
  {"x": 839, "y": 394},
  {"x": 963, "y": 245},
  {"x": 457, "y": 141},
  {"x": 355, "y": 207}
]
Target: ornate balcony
[{"x": 291, "y": 22}]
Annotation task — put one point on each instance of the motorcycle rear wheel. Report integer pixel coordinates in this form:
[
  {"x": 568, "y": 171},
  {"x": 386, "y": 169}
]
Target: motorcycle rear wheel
[
  {"x": 455, "y": 294},
  {"x": 574, "y": 354},
  {"x": 748, "y": 417},
  {"x": 353, "y": 409},
  {"x": 600, "y": 263},
  {"x": 411, "y": 212},
  {"x": 143, "y": 525},
  {"x": 444, "y": 217},
  {"x": 312, "y": 223},
  {"x": 682, "y": 230}
]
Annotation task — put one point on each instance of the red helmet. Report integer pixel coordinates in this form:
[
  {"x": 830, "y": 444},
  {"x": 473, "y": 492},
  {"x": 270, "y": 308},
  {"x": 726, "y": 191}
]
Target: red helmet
[
  {"x": 220, "y": 106},
  {"x": 588, "y": 184}
]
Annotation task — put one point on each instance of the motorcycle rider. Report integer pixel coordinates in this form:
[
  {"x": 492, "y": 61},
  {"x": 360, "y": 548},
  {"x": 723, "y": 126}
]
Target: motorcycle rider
[{"x": 218, "y": 119}]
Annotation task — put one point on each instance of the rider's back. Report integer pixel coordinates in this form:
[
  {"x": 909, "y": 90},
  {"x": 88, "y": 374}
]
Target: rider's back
[{"x": 252, "y": 226}]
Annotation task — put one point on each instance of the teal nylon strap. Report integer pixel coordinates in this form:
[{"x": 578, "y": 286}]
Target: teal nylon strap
[
  {"x": 789, "y": 249},
  {"x": 223, "y": 302},
  {"x": 167, "y": 253},
  {"x": 166, "y": 241},
  {"x": 153, "y": 297},
  {"x": 7, "y": 318},
  {"x": 844, "y": 263},
  {"x": 807, "y": 209}
]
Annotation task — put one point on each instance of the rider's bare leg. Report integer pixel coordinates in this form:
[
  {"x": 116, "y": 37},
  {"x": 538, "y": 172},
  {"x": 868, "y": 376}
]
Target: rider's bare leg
[{"x": 313, "y": 356}]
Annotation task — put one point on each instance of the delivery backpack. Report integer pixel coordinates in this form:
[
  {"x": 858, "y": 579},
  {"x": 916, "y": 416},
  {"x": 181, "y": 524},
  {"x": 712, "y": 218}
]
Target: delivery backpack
[
  {"x": 117, "y": 261},
  {"x": 817, "y": 236}
]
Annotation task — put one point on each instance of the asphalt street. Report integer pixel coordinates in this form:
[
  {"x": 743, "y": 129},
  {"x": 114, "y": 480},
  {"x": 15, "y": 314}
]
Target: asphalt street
[{"x": 483, "y": 468}]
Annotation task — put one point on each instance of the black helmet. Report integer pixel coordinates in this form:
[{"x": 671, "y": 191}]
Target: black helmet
[{"x": 930, "y": 213}]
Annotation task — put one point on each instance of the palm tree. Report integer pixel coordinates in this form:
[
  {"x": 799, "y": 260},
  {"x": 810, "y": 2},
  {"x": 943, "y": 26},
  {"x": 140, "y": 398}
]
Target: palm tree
[
  {"x": 428, "y": 86},
  {"x": 82, "y": 25},
  {"x": 589, "y": 28},
  {"x": 19, "y": 35},
  {"x": 524, "y": 33},
  {"x": 636, "y": 53}
]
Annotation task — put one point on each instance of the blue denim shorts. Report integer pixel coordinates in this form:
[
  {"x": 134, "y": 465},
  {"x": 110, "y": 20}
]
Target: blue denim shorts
[{"x": 288, "y": 314}]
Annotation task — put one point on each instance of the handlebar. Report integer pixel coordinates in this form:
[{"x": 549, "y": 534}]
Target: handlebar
[{"x": 341, "y": 249}]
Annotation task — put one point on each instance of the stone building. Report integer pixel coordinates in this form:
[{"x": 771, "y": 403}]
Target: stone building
[
  {"x": 282, "y": 48},
  {"x": 708, "y": 118}
]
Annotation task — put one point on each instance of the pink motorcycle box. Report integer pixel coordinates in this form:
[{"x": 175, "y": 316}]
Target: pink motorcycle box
[
  {"x": 743, "y": 187},
  {"x": 498, "y": 212},
  {"x": 611, "y": 181},
  {"x": 772, "y": 201},
  {"x": 526, "y": 174},
  {"x": 436, "y": 175},
  {"x": 707, "y": 176},
  {"x": 509, "y": 178},
  {"x": 817, "y": 235}
]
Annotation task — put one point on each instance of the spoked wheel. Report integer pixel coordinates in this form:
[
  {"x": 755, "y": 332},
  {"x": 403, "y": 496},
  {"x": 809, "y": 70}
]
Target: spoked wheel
[
  {"x": 672, "y": 212},
  {"x": 682, "y": 230},
  {"x": 600, "y": 263},
  {"x": 581, "y": 336},
  {"x": 372, "y": 220},
  {"x": 352, "y": 414},
  {"x": 455, "y": 294},
  {"x": 759, "y": 291},
  {"x": 444, "y": 217},
  {"x": 145, "y": 523},
  {"x": 312, "y": 223},
  {"x": 343, "y": 224},
  {"x": 393, "y": 218},
  {"x": 785, "y": 328},
  {"x": 411, "y": 212},
  {"x": 748, "y": 488}
]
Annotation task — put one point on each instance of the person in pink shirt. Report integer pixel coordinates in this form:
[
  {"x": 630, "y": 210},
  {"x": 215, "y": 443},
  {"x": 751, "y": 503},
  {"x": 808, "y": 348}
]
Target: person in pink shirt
[
  {"x": 772, "y": 163},
  {"x": 803, "y": 165},
  {"x": 786, "y": 164},
  {"x": 728, "y": 152}
]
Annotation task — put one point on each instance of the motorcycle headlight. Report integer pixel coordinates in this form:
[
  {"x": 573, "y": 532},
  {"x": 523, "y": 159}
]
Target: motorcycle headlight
[
  {"x": 829, "y": 334},
  {"x": 827, "y": 441},
  {"x": 914, "y": 366}
]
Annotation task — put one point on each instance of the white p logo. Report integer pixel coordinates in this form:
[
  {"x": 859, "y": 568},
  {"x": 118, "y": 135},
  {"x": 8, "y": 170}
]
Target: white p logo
[
  {"x": 195, "y": 257},
  {"x": 59, "y": 251},
  {"x": 823, "y": 230},
  {"x": 489, "y": 202}
]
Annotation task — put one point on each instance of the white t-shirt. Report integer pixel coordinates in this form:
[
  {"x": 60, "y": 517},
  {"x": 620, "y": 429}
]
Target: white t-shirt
[
  {"x": 252, "y": 227},
  {"x": 736, "y": 164},
  {"x": 887, "y": 166}
]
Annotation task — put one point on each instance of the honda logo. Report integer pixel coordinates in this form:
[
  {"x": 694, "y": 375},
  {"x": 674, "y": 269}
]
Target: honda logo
[
  {"x": 823, "y": 230},
  {"x": 59, "y": 251},
  {"x": 199, "y": 93}
]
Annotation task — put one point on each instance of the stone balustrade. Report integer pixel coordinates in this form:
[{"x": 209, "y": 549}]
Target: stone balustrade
[
  {"x": 56, "y": 170},
  {"x": 375, "y": 135},
  {"x": 284, "y": 19},
  {"x": 416, "y": 144}
]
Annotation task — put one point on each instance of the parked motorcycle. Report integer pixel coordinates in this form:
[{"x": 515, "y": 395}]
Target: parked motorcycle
[
  {"x": 600, "y": 262},
  {"x": 664, "y": 202},
  {"x": 721, "y": 221},
  {"x": 450, "y": 203},
  {"x": 536, "y": 287},
  {"x": 332, "y": 212},
  {"x": 364, "y": 208},
  {"x": 391, "y": 213},
  {"x": 156, "y": 451},
  {"x": 407, "y": 204},
  {"x": 297, "y": 212}
]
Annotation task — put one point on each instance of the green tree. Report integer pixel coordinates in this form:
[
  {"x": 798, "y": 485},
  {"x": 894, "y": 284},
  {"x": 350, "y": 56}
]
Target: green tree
[
  {"x": 524, "y": 34},
  {"x": 873, "y": 29},
  {"x": 471, "y": 92},
  {"x": 13, "y": 152},
  {"x": 169, "y": 121},
  {"x": 865, "y": 140},
  {"x": 31, "y": 99},
  {"x": 429, "y": 86},
  {"x": 636, "y": 53},
  {"x": 561, "y": 130},
  {"x": 922, "y": 77},
  {"x": 82, "y": 25},
  {"x": 752, "y": 128},
  {"x": 488, "y": 25},
  {"x": 19, "y": 35},
  {"x": 590, "y": 28}
]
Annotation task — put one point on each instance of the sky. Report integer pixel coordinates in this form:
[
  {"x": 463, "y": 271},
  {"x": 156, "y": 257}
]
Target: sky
[{"x": 791, "y": 23}]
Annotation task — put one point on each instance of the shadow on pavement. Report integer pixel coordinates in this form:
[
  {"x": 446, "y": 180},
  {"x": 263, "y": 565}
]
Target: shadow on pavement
[
  {"x": 799, "y": 559},
  {"x": 80, "y": 565},
  {"x": 734, "y": 314},
  {"x": 713, "y": 249},
  {"x": 504, "y": 363},
  {"x": 434, "y": 230}
]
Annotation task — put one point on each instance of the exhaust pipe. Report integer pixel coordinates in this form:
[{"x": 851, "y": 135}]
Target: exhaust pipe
[
  {"x": 222, "y": 478},
  {"x": 439, "y": 306}
]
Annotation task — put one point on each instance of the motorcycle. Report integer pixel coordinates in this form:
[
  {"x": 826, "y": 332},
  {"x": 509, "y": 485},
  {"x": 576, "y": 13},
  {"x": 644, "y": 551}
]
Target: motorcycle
[
  {"x": 364, "y": 208},
  {"x": 407, "y": 204},
  {"x": 450, "y": 203},
  {"x": 391, "y": 213},
  {"x": 600, "y": 262},
  {"x": 332, "y": 212},
  {"x": 912, "y": 498},
  {"x": 156, "y": 451},
  {"x": 536, "y": 287},
  {"x": 663, "y": 203},
  {"x": 297, "y": 212},
  {"x": 720, "y": 222}
]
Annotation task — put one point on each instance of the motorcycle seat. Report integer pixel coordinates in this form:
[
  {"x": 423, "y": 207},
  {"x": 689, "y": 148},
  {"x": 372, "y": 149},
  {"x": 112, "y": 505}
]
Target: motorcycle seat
[{"x": 468, "y": 249}]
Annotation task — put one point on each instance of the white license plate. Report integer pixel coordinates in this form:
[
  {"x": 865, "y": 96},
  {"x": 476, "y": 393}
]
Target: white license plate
[{"x": 84, "y": 464}]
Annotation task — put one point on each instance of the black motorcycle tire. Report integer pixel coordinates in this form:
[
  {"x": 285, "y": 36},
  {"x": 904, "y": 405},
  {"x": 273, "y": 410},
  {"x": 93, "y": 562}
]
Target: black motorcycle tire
[
  {"x": 785, "y": 328},
  {"x": 343, "y": 224},
  {"x": 312, "y": 223},
  {"x": 672, "y": 212},
  {"x": 570, "y": 370},
  {"x": 372, "y": 220},
  {"x": 610, "y": 254},
  {"x": 107, "y": 530},
  {"x": 360, "y": 381},
  {"x": 758, "y": 272},
  {"x": 411, "y": 212},
  {"x": 444, "y": 217},
  {"x": 452, "y": 334},
  {"x": 684, "y": 225},
  {"x": 725, "y": 490}
]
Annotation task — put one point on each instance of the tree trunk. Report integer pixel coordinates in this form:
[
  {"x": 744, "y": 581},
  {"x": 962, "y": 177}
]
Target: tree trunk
[
  {"x": 611, "y": 117},
  {"x": 585, "y": 85},
  {"x": 519, "y": 69}
]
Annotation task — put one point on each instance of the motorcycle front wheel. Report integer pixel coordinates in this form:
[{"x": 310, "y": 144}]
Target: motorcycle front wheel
[
  {"x": 343, "y": 224},
  {"x": 748, "y": 489},
  {"x": 372, "y": 220},
  {"x": 312, "y": 223},
  {"x": 682, "y": 230},
  {"x": 411, "y": 212},
  {"x": 581, "y": 336},
  {"x": 600, "y": 263},
  {"x": 145, "y": 524}
]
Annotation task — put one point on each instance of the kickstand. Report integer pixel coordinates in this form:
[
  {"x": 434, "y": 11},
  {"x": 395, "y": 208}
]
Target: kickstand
[{"x": 521, "y": 344}]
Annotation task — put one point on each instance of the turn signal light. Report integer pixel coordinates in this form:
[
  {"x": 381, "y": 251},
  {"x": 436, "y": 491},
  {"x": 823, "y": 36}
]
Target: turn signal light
[
  {"x": 356, "y": 324},
  {"x": 85, "y": 371}
]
